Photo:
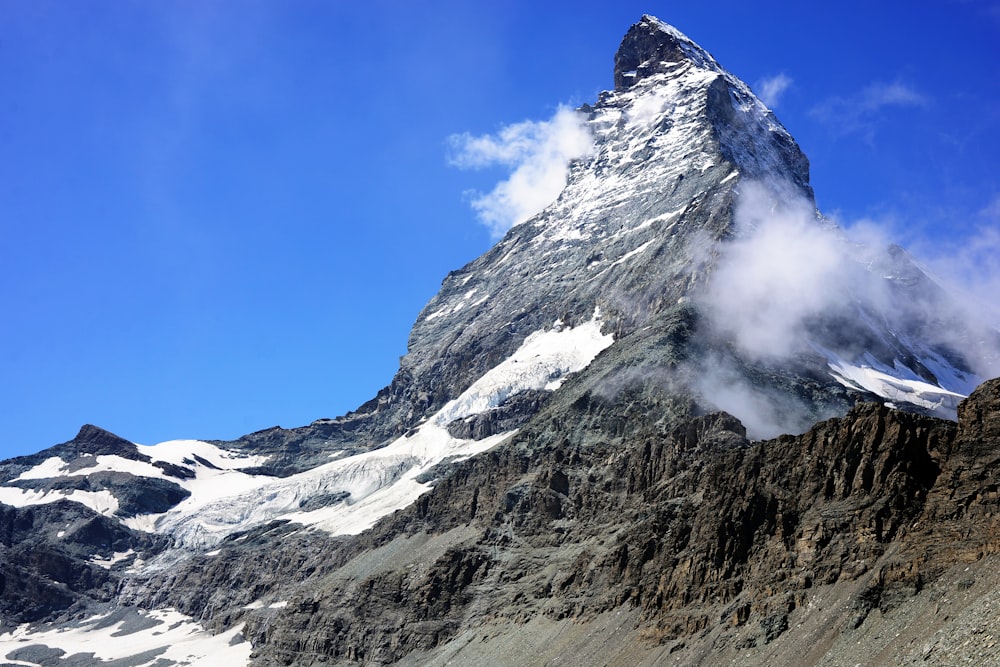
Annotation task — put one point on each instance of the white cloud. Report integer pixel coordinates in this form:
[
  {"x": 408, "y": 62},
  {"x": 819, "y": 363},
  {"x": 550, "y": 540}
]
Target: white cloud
[
  {"x": 785, "y": 268},
  {"x": 970, "y": 260},
  {"x": 878, "y": 95},
  {"x": 771, "y": 89},
  {"x": 789, "y": 276},
  {"x": 858, "y": 112},
  {"x": 764, "y": 413},
  {"x": 538, "y": 153},
  {"x": 791, "y": 284}
]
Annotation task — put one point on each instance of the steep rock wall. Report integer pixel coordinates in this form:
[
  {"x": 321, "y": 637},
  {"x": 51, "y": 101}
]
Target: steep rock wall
[{"x": 687, "y": 524}]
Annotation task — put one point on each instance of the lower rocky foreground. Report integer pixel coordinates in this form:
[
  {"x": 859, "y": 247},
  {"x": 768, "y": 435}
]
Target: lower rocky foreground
[{"x": 604, "y": 534}]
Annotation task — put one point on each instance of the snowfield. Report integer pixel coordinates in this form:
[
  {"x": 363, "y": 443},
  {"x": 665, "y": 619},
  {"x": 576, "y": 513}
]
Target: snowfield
[
  {"x": 365, "y": 487},
  {"x": 382, "y": 481},
  {"x": 135, "y": 637},
  {"x": 900, "y": 384}
]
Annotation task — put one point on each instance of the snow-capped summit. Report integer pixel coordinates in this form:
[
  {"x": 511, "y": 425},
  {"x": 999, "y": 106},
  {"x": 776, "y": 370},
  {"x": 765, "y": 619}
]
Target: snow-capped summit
[{"x": 632, "y": 229}]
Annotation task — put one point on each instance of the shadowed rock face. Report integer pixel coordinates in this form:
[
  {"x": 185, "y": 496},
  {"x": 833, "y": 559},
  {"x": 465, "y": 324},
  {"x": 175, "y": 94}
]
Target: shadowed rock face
[
  {"x": 49, "y": 558},
  {"x": 689, "y": 525},
  {"x": 686, "y": 524},
  {"x": 648, "y": 49}
]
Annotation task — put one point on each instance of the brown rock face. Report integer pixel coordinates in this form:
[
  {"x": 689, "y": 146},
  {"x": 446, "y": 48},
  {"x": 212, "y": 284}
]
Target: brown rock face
[
  {"x": 712, "y": 545},
  {"x": 645, "y": 50},
  {"x": 959, "y": 523}
]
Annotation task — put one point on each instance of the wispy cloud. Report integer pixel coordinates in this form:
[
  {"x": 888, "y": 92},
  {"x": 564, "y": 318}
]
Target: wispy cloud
[
  {"x": 771, "y": 90},
  {"x": 538, "y": 154},
  {"x": 784, "y": 269},
  {"x": 860, "y": 111},
  {"x": 791, "y": 281},
  {"x": 971, "y": 260}
]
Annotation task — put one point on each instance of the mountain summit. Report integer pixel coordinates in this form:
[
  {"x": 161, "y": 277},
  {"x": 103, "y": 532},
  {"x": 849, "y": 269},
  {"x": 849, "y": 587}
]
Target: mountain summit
[
  {"x": 653, "y": 47},
  {"x": 574, "y": 445}
]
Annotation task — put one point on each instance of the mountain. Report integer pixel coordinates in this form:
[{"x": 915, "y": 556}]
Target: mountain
[{"x": 582, "y": 455}]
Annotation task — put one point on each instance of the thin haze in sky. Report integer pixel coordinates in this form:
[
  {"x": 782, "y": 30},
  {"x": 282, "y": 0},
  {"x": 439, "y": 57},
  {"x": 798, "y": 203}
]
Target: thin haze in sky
[{"x": 222, "y": 216}]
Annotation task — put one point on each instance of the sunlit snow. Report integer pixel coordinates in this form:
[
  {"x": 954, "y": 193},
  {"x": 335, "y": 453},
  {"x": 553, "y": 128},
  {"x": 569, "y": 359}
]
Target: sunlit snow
[
  {"x": 145, "y": 637},
  {"x": 217, "y": 474},
  {"x": 375, "y": 483},
  {"x": 897, "y": 385},
  {"x": 544, "y": 357},
  {"x": 102, "y": 502}
]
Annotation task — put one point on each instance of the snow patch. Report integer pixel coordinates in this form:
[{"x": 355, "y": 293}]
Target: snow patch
[
  {"x": 102, "y": 502},
  {"x": 440, "y": 312},
  {"x": 171, "y": 636},
  {"x": 117, "y": 557},
  {"x": 182, "y": 452},
  {"x": 217, "y": 474},
  {"x": 897, "y": 385},
  {"x": 544, "y": 357}
]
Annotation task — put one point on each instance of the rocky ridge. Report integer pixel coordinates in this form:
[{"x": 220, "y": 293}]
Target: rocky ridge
[{"x": 707, "y": 545}]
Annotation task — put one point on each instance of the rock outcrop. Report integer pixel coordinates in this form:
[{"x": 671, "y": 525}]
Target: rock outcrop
[
  {"x": 55, "y": 559},
  {"x": 708, "y": 543}
]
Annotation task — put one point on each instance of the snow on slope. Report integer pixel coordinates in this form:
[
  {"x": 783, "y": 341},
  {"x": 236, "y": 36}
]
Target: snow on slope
[
  {"x": 663, "y": 115},
  {"x": 376, "y": 483},
  {"x": 385, "y": 493},
  {"x": 185, "y": 452},
  {"x": 178, "y": 452},
  {"x": 898, "y": 384},
  {"x": 134, "y": 637},
  {"x": 543, "y": 361},
  {"x": 102, "y": 502},
  {"x": 357, "y": 490},
  {"x": 217, "y": 473}
]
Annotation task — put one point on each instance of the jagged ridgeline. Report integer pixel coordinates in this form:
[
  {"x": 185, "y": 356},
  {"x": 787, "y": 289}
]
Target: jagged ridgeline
[{"x": 581, "y": 457}]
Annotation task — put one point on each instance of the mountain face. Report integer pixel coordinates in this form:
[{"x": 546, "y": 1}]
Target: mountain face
[{"x": 554, "y": 471}]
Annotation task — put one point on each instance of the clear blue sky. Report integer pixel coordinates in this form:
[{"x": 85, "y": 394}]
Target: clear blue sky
[{"x": 221, "y": 216}]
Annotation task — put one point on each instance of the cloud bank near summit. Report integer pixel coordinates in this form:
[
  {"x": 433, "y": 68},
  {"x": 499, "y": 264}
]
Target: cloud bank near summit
[
  {"x": 788, "y": 265},
  {"x": 537, "y": 153},
  {"x": 790, "y": 276},
  {"x": 771, "y": 89}
]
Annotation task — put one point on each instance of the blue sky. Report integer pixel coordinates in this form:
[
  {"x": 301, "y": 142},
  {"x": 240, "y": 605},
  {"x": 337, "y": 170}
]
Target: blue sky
[{"x": 221, "y": 216}]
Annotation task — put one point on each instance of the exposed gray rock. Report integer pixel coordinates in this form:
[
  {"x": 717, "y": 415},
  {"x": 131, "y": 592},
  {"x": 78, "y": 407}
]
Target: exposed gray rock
[
  {"x": 88, "y": 443},
  {"x": 710, "y": 545},
  {"x": 47, "y": 558}
]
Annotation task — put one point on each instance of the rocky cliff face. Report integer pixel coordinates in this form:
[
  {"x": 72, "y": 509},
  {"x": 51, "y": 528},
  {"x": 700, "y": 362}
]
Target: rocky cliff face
[
  {"x": 550, "y": 474},
  {"x": 707, "y": 544}
]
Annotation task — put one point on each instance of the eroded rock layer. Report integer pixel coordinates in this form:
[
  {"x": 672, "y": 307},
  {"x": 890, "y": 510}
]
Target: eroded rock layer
[{"x": 708, "y": 543}]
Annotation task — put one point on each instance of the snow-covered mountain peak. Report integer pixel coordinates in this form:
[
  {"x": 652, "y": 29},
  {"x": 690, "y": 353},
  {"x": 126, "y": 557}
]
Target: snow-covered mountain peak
[
  {"x": 655, "y": 58},
  {"x": 632, "y": 230},
  {"x": 652, "y": 46}
]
